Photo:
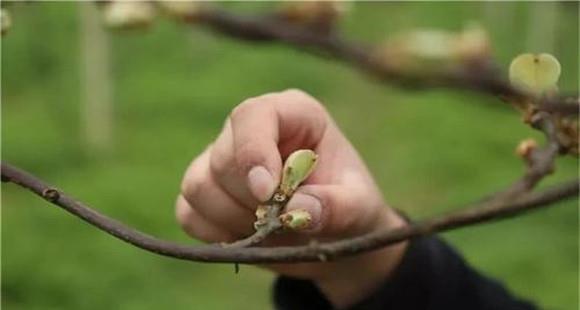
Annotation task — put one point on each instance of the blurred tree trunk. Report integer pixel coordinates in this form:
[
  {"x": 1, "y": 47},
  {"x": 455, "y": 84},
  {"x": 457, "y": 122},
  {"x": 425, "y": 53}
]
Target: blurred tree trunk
[{"x": 97, "y": 103}]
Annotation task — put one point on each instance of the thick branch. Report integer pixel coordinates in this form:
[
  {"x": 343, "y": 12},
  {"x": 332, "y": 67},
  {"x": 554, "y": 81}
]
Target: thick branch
[{"x": 485, "y": 212}]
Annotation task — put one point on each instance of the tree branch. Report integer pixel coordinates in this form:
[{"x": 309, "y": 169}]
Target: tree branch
[
  {"x": 485, "y": 212},
  {"x": 482, "y": 76}
]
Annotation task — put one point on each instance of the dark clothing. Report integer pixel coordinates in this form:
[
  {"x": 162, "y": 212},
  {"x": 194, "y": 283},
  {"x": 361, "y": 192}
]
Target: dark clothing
[{"x": 431, "y": 276}]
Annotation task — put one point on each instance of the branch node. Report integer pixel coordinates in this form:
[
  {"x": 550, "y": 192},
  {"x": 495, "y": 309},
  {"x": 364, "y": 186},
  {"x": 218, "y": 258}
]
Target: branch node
[{"x": 50, "y": 194}]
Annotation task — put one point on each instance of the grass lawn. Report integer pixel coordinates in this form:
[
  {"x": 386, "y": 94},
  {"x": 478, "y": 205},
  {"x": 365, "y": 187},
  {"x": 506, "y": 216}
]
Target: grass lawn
[{"x": 431, "y": 151}]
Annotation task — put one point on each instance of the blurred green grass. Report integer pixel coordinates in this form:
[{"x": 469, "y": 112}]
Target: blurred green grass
[{"x": 430, "y": 151}]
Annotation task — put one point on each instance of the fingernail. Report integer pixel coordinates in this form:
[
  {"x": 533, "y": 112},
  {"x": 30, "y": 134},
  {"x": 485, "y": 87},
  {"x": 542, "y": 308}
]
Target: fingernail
[
  {"x": 307, "y": 203},
  {"x": 261, "y": 183}
]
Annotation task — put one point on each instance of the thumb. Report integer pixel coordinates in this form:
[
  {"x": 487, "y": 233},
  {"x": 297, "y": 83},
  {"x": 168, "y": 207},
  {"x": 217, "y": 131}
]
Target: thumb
[{"x": 336, "y": 210}]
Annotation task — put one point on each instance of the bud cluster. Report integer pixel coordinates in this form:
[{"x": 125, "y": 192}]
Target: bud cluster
[
  {"x": 421, "y": 52},
  {"x": 538, "y": 75}
]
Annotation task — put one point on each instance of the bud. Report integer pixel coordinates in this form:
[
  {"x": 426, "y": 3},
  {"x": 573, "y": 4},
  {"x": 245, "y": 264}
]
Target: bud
[
  {"x": 473, "y": 43},
  {"x": 297, "y": 168},
  {"x": 261, "y": 213},
  {"x": 128, "y": 14},
  {"x": 568, "y": 135},
  {"x": 535, "y": 73},
  {"x": 314, "y": 12},
  {"x": 417, "y": 52},
  {"x": 5, "y": 21},
  {"x": 296, "y": 219},
  {"x": 526, "y": 147},
  {"x": 181, "y": 9}
]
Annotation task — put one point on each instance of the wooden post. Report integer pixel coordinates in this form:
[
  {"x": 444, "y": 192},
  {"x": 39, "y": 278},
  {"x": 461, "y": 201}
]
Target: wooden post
[
  {"x": 97, "y": 101},
  {"x": 542, "y": 23}
]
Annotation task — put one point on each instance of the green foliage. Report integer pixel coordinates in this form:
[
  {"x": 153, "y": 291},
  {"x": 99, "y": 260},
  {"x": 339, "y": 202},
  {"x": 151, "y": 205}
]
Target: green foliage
[{"x": 430, "y": 151}]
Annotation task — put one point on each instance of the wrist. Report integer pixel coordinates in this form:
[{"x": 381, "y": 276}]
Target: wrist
[{"x": 354, "y": 278}]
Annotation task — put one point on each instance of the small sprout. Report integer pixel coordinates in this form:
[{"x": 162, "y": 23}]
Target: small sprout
[
  {"x": 296, "y": 219},
  {"x": 535, "y": 73},
  {"x": 261, "y": 212},
  {"x": 297, "y": 168},
  {"x": 128, "y": 14},
  {"x": 5, "y": 21},
  {"x": 526, "y": 147},
  {"x": 182, "y": 9}
]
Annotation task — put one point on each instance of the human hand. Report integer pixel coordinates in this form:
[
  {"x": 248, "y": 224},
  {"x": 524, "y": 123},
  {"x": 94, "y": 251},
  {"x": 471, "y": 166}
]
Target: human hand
[{"x": 223, "y": 186}]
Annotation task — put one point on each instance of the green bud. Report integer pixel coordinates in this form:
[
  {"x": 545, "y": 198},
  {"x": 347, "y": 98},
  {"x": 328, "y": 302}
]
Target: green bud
[
  {"x": 536, "y": 73},
  {"x": 5, "y": 21},
  {"x": 296, "y": 219},
  {"x": 297, "y": 168}
]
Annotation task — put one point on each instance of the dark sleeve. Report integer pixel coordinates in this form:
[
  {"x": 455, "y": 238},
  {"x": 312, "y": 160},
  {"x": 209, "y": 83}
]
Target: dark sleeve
[{"x": 431, "y": 276}]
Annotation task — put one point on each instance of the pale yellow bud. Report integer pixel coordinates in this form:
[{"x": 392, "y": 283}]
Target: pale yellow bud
[
  {"x": 473, "y": 43},
  {"x": 128, "y": 14},
  {"x": 308, "y": 12},
  {"x": 526, "y": 147}
]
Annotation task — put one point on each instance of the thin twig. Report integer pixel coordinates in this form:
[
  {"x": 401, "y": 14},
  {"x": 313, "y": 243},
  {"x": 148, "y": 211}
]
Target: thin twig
[
  {"x": 216, "y": 253},
  {"x": 540, "y": 162},
  {"x": 269, "y": 224}
]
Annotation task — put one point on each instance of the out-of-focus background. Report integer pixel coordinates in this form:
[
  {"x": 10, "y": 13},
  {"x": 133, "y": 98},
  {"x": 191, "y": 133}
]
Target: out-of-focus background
[{"x": 171, "y": 87}]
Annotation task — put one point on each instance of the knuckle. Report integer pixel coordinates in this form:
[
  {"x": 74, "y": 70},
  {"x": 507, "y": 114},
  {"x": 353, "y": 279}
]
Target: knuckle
[
  {"x": 343, "y": 215},
  {"x": 244, "y": 107},
  {"x": 182, "y": 214},
  {"x": 247, "y": 156},
  {"x": 296, "y": 93},
  {"x": 301, "y": 96},
  {"x": 195, "y": 176},
  {"x": 190, "y": 223},
  {"x": 218, "y": 163},
  {"x": 190, "y": 186}
]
